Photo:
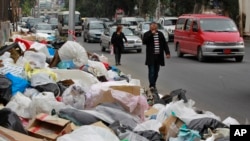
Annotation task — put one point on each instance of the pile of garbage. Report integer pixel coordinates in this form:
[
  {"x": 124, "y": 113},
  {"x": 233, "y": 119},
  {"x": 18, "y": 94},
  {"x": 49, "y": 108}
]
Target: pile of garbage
[{"x": 57, "y": 91}]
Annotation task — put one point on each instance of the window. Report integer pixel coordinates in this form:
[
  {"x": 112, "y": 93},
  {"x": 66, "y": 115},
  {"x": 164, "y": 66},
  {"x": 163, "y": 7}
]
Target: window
[
  {"x": 180, "y": 24},
  {"x": 188, "y": 25},
  {"x": 170, "y": 22},
  {"x": 218, "y": 25},
  {"x": 195, "y": 26}
]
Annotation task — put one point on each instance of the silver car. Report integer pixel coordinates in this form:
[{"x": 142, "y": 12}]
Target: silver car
[
  {"x": 144, "y": 27},
  {"x": 134, "y": 42},
  {"x": 44, "y": 28}
]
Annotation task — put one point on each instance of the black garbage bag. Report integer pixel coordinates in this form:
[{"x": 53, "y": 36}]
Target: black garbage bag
[
  {"x": 125, "y": 132},
  {"x": 50, "y": 87},
  {"x": 10, "y": 120},
  {"x": 179, "y": 94},
  {"x": 151, "y": 135},
  {"x": 203, "y": 124},
  {"x": 78, "y": 117},
  {"x": 5, "y": 90}
]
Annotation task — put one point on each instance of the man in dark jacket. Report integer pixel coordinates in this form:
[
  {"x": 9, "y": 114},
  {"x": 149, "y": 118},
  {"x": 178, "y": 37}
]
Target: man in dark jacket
[{"x": 156, "y": 45}]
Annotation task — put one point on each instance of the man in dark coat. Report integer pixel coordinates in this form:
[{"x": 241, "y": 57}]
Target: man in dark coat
[{"x": 156, "y": 48}]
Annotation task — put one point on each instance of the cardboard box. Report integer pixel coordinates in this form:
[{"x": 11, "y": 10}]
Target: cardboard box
[
  {"x": 151, "y": 111},
  {"x": 169, "y": 131},
  {"x": 49, "y": 127},
  {"x": 15, "y": 136},
  {"x": 101, "y": 124}
]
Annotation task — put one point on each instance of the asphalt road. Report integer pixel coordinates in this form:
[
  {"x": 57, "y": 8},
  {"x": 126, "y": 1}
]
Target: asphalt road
[{"x": 219, "y": 86}]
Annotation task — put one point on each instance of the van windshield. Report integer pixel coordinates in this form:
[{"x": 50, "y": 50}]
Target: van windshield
[{"x": 218, "y": 25}]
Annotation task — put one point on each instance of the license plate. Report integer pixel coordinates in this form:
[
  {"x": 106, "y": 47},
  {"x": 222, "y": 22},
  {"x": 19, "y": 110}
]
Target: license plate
[{"x": 227, "y": 51}]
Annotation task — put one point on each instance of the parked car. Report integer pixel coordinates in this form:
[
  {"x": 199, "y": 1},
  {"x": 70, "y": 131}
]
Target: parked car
[
  {"x": 53, "y": 22},
  {"x": 24, "y": 20},
  {"x": 93, "y": 31},
  {"x": 206, "y": 35},
  {"x": 33, "y": 21},
  {"x": 134, "y": 42},
  {"x": 86, "y": 20},
  {"x": 44, "y": 28},
  {"x": 169, "y": 24},
  {"x": 145, "y": 26},
  {"x": 131, "y": 21}
]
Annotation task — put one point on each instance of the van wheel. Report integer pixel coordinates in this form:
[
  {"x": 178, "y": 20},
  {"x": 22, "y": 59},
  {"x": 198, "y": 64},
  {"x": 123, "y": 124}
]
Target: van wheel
[
  {"x": 138, "y": 50},
  {"x": 200, "y": 56},
  {"x": 239, "y": 58},
  {"x": 179, "y": 53}
]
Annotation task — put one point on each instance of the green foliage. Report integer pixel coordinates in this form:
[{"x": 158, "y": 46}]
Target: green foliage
[
  {"x": 26, "y": 8},
  {"x": 106, "y": 8}
]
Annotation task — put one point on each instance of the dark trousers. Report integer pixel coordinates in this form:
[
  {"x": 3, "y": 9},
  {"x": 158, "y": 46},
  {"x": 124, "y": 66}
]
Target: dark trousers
[
  {"x": 153, "y": 71},
  {"x": 118, "y": 54}
]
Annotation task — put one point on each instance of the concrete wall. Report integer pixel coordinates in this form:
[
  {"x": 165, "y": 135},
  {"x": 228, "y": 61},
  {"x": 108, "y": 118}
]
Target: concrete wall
[
  {"x": 244, "y": 8},
  {"x": 4, "y": 32}
]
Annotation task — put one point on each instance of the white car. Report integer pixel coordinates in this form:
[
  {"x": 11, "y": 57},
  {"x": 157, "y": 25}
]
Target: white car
[
  {"x": 44, "y": 28},
  {"x": 134, "y": 42},
  {"x": 169, "y": 24},
  {"x": 145, "y": 26}
]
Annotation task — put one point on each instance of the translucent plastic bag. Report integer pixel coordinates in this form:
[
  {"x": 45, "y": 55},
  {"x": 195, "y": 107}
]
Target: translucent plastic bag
[
  {"x": 149, "y": 125},
  {"x": 44, "y": 103},
  {"x": 20, "y": 104},
  {"x": 85, "y": 79},
  {"x": 101, "y": 69},
  {"x": 186, "y": 113},
  {"x": 74, "y": 96},
  {"x": 73, "y": 51},
  {"x": 89, "y": 133},
  {"x": 134, "y": 104},
  {"x": 103, "y": 59},
  {"x": 35, "y": 59}
]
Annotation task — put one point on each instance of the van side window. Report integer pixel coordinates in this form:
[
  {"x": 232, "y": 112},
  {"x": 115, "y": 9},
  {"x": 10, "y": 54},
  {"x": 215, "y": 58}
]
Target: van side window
[
  {"x": 188, "y": 25},
  {"x": 180, "y": 24},
  {"x": 195, "y": 26}
]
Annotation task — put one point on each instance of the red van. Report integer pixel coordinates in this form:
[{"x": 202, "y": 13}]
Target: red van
[{"x": 207, "y": 35}]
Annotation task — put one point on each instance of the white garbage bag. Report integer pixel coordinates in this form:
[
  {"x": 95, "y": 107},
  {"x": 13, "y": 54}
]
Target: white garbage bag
[
  {"x": 40, "y": 48},
  {"x": 84, "y": 79},
  {"x": 89, "y": 133},
  {"x": 112, "y": 75},
  {"x": 186, "y": 113},
  {"x": 74, "y": 96},
  {"x": 73, "y": 51},
  {"x": 35, "y": 59},
  {"x": 149, "y": 125},
  {"x": 101, "y": 70},
  {"x": 230, "y": 121},
  {"x": 44, "y": 103},
  {"x": 20, "y": 104}
]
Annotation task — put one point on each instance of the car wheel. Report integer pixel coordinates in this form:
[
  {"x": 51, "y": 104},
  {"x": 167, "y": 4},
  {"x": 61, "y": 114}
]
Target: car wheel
[
  {"x": 178, "y": 50},
  {"x": 138, "y": 50},
  {"x": 239, "y": 58},
  {"x": 200, "y": 56}
]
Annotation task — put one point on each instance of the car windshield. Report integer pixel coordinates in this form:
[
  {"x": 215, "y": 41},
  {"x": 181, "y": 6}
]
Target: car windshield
[
  {"x": 96, "y": 26},
  {"x": 43, "y": 27},
  {"x": 53, "y": 21},
  {"x": 170, "y": 22},
  {"x": 218, "y": 25},
  {"x": 127, "y": 32},
  {"x": 146, "y": 26}
]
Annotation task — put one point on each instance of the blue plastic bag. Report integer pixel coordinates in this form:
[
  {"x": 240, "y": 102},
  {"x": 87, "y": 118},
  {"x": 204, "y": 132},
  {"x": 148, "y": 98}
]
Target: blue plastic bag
[{"x": 18, "y": 84}]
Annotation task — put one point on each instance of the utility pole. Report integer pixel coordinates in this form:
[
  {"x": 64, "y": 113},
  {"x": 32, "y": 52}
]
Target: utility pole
[{"x": 71, "y": 31}]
